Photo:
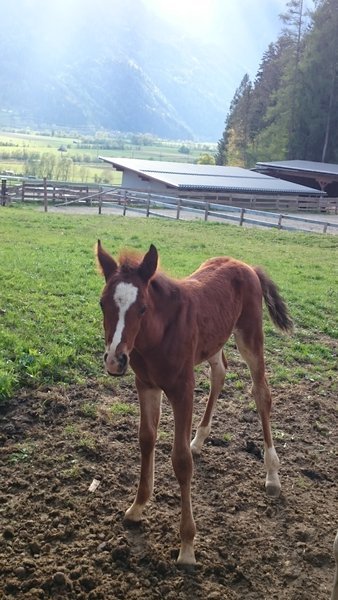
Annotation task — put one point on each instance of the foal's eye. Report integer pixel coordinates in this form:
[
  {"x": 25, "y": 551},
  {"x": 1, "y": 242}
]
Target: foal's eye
[{"x": 143, "y": 310}]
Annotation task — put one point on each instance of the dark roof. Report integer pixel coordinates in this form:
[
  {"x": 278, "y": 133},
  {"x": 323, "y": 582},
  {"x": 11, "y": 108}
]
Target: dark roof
[
  {"x": 304, "y": 166},
  {"x": 185, "y": 176}
]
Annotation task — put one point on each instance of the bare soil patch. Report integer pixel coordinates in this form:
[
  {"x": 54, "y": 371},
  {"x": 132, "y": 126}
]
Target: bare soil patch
[{"x": 58, "y": 540}]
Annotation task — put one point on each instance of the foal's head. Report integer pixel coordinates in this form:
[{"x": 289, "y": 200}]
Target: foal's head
[{"x": 123, "y": 303}]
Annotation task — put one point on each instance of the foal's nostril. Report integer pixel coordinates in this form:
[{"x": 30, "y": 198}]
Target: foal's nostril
[
  {"x": 123, "y": 359},
  {"x": 105, "y": 356}
]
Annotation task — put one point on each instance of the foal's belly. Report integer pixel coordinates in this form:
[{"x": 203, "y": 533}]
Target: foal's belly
[{"x": 207, "y": 348}]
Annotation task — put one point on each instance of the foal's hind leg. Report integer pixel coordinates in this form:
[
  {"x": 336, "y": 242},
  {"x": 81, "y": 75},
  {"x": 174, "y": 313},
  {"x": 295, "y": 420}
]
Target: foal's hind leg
[
  {"x": 250, "y": 345},
  {"x": 217, "y": 373}
]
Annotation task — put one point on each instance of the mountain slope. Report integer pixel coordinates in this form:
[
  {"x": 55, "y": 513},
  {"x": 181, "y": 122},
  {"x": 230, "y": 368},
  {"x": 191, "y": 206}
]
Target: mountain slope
[{"x": 111, "y": 66}]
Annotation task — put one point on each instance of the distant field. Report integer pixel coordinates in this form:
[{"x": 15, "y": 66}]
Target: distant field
[
  {"x": 22, "y": 153},
  {"x": 50, "y": 322}
]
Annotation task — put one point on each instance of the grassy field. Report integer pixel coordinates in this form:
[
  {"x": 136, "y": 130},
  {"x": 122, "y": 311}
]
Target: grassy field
[
  {"x": 50, "y": 321},
  {"x": 20, "y": 152}
]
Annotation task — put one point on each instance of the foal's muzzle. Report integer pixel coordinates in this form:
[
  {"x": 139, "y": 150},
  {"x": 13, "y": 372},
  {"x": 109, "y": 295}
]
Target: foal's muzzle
[{"x": 116, "y": 366}]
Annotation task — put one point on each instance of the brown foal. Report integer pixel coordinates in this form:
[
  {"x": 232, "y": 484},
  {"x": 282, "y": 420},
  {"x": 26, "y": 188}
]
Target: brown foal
[{"x": 164, "y": 328}]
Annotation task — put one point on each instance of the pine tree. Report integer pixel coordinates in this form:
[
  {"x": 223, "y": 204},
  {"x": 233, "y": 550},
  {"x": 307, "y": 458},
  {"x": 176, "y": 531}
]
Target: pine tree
[
  {"x": 320, "y": 99},
  {"x": 287, "y": 104},
  {"x": 233, "y": 146},
  {"x": 266, "y": 82},
  {"x": 291, "y": 110},
  {"x": 221, "y": 157},
  {"x": 264, "y": 99}
]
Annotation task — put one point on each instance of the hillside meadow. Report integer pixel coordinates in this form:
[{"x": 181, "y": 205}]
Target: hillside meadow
[
  {"x": 73, "y": 156},
  {"x": 50, "y": 321}
]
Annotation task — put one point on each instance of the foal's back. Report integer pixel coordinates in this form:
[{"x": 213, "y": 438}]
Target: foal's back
[{"x": 223, "y": 291}]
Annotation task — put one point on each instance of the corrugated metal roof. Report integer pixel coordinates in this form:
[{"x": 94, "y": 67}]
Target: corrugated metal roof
[
  {"x": 232, "y": 183},
  {"x": 307, "y": 166},
  {"x": 185, "y": 176}
]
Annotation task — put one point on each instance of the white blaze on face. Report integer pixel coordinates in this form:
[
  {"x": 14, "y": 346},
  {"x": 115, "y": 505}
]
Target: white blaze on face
[{"x": 124, "y": 296}]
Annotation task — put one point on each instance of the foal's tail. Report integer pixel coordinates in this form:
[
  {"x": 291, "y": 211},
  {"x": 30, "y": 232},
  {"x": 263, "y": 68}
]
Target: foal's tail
[{"x": 275, "y": 304}]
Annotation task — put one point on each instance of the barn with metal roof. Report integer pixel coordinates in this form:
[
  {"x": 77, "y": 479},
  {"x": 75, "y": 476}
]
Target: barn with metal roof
[
  {"x": 204, "y": 180},
  {"x": 322, "y": 176}
]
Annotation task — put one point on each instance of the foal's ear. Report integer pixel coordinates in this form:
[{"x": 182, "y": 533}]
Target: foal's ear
[
  {"x": 106, "y": 263},
  {"x": 148, "y": 266}
]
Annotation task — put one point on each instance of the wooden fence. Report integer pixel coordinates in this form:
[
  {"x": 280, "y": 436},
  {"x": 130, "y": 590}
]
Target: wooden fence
[
  {"x": 181, "y": 209},
  {"x": 240, "y": 210}
]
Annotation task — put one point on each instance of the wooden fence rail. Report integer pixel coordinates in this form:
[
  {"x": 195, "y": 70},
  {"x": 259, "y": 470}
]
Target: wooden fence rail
[
  {"x": 25, "y": 190},
  {"x": 241, "y": 216},
  {"x": 61, "y": 195}
]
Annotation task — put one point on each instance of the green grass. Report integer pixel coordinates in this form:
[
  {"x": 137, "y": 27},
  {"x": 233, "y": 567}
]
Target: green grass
[
  {"x": 122, "y": 409},
  {"x": 23, "y": 453},
  {"x": 50, "y": 320},
  {"x": 89, "y": 410}
]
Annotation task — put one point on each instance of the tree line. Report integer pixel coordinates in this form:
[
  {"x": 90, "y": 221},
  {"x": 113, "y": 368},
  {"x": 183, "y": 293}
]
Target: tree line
[{"x": 290, "y": 110}]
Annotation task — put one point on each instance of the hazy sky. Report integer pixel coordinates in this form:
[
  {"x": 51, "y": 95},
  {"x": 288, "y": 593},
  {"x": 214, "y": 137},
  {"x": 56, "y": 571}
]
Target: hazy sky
[{"x": 244, "y": 27}]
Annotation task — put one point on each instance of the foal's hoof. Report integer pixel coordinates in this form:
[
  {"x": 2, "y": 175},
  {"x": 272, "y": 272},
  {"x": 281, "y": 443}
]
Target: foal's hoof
[
  {"x": 272, "y": 491},
  {"x": 130, "y": 524},
  {"x": 186, "y": 567},
  {"x": 195, "y": 451},
  {"x": 272, "y": 485},
  {"x": 186, "y": 558}
]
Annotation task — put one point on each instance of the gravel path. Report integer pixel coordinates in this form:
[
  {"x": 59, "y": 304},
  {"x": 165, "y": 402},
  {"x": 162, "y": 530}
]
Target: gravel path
[{"x": 330, "y": 219}]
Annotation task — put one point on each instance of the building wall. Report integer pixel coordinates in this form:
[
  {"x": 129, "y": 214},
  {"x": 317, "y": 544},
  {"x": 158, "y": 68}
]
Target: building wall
[{"x": 131, "y": 180}]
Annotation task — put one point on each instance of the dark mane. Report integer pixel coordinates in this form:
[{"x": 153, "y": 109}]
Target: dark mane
[{"x": 130, "y": 260}]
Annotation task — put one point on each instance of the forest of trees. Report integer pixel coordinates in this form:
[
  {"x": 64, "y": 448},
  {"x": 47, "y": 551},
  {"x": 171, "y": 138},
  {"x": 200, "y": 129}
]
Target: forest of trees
[{"x": 290, "y": 111}]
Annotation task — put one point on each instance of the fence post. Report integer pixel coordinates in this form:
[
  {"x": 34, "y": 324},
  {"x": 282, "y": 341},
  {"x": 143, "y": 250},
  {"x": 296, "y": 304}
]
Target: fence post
[
  {"x": 279, "y": 224},
  {"x": 100, "y": 201},
  {"x": 125, "y": 203},
  {"x": 23, "y": 191},
  {"x": 206, "y": 211},
  {"x": 241, "y": 218},
  {"x": 148, "y": 206},
  {"x": 178, "y": 211},
  {"x": 325, "y": 227},
  {"x": 3, "y": 191},
  {"x": 45, "y": 199}
]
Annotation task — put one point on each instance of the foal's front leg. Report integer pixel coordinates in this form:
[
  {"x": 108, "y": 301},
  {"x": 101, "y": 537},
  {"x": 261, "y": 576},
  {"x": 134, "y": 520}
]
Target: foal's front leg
[
  {"x": 150, "y": 409},
  {"x": 182, "y": 401}
]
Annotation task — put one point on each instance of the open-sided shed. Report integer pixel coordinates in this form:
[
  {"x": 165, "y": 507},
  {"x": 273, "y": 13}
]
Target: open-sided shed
[{"x": 323, "y": 176}]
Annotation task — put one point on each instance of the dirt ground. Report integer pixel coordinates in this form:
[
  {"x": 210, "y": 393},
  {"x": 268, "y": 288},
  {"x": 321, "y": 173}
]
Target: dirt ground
[{"x": 59, "y": 540}]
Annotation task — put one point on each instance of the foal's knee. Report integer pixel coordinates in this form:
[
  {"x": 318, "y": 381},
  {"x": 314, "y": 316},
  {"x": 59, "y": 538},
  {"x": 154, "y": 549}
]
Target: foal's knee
[
  {"x": 183, "y": 464},
  {"x": 147, "y": 440}
]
